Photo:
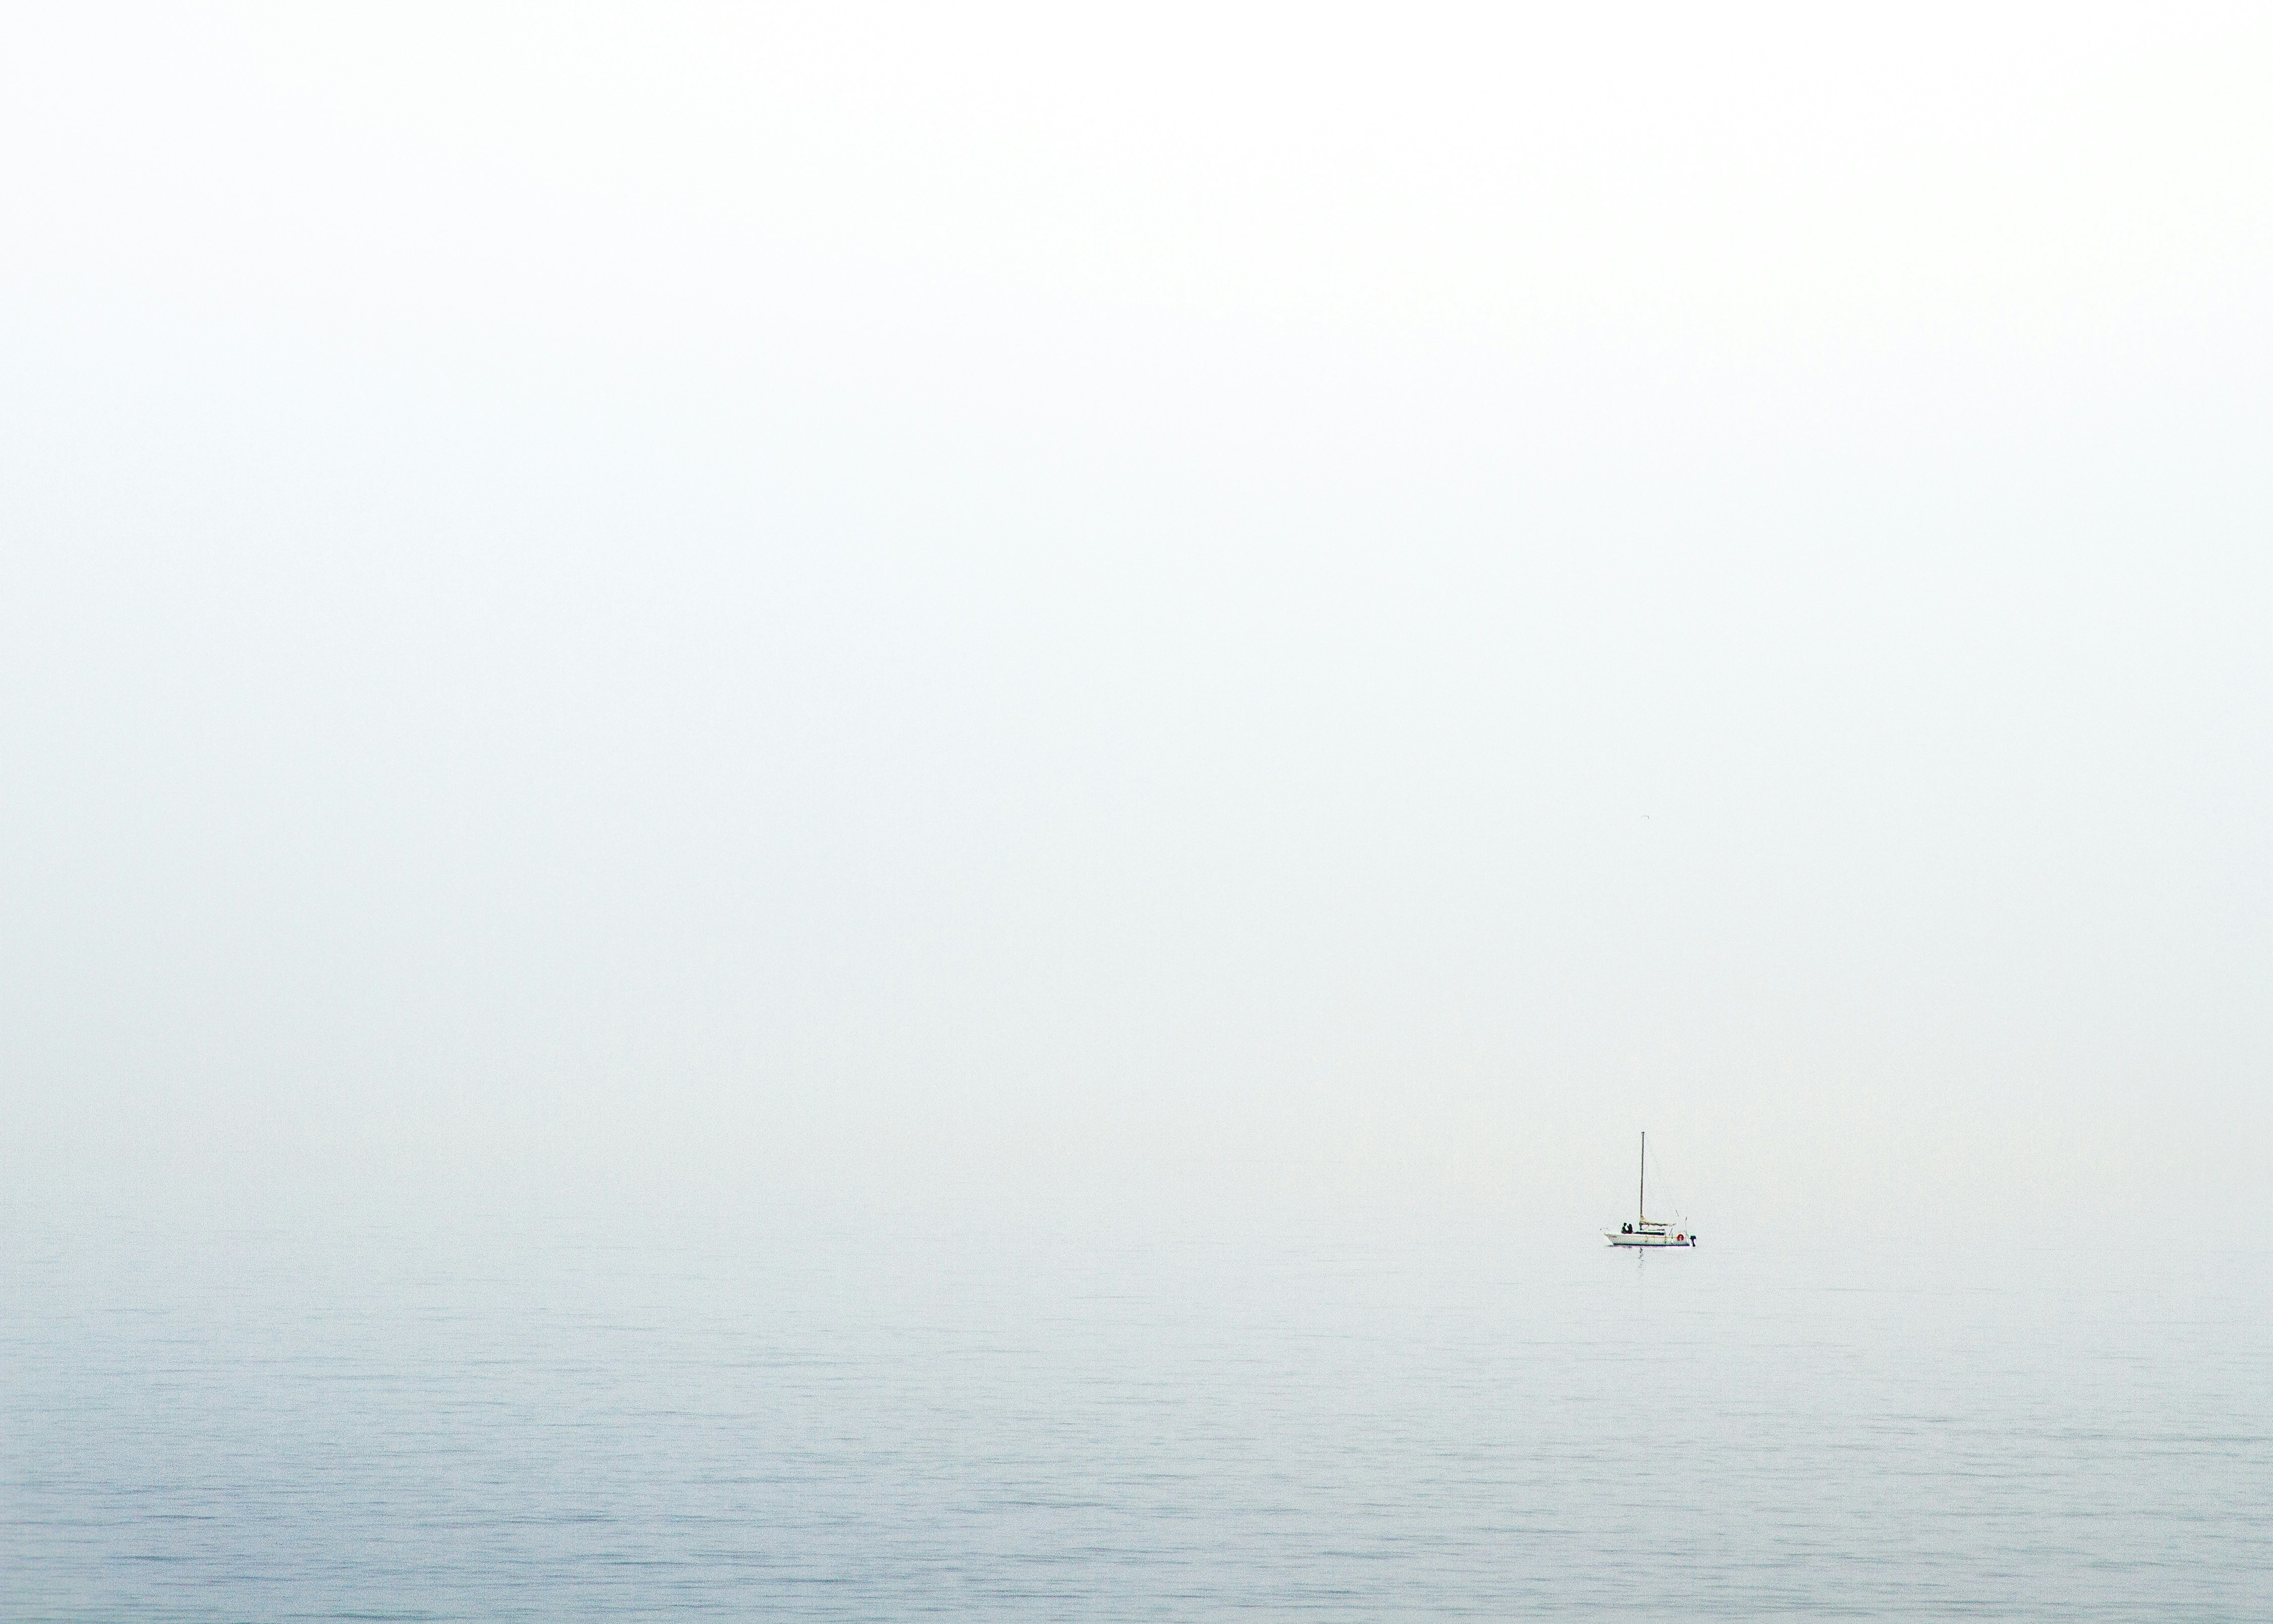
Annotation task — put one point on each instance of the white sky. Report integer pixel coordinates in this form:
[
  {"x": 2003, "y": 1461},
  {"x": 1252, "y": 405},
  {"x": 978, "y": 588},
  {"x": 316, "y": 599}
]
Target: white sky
[{"x": 1291, "y": 607}]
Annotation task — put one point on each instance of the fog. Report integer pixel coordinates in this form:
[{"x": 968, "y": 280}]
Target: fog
[{"x": 1239, "y": 614}]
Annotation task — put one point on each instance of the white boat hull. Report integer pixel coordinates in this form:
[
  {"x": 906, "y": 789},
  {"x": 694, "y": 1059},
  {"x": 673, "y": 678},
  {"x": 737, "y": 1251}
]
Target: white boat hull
[{"x": 1646, "y": 1237}]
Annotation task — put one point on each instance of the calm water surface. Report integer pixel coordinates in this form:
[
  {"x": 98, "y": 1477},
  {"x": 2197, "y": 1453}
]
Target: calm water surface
[{"x": 258, "y": 1426}]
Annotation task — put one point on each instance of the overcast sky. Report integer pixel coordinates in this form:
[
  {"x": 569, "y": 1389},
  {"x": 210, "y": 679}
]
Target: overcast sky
[{"x": 1215, "y": 609}]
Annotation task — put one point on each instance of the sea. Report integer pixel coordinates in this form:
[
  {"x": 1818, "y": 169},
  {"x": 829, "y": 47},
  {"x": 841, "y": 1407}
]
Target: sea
[{"x": 683, "y": 1419}]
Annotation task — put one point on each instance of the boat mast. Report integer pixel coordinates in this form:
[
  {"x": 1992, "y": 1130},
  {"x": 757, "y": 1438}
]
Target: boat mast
[{"x": 1641, "y": 1190}]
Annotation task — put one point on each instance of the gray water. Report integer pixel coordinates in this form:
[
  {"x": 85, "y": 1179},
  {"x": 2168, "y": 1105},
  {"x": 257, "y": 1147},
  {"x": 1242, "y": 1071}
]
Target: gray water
[{"x": 258, "y": 1425}]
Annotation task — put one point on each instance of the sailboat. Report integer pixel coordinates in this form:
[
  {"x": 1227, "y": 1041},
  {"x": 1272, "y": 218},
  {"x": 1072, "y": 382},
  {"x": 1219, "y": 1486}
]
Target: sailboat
[{"x": 1645, "y": 1230}]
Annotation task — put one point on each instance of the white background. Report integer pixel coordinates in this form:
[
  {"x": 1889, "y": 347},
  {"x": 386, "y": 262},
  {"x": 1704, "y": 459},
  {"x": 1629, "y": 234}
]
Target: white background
[{"x": 1204, "y": 612}]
